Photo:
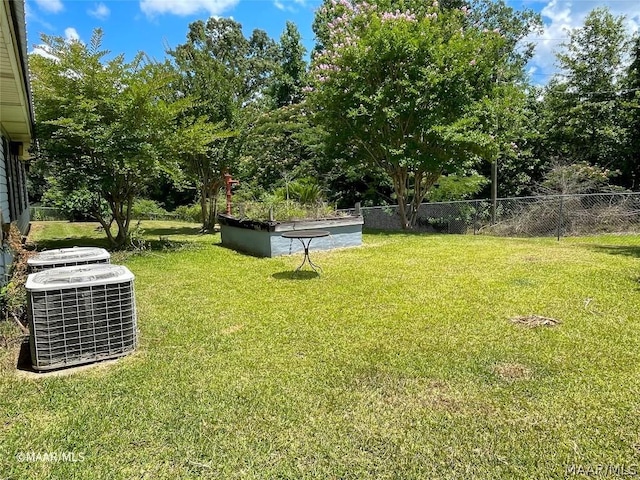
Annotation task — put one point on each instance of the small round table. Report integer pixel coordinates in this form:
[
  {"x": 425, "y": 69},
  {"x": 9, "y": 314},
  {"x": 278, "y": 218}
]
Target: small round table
[{"x": 308, "y": 235}]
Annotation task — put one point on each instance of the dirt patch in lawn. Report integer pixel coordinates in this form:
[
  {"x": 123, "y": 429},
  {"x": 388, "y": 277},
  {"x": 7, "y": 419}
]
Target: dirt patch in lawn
[
  {"x": 533, "y": 321},
  {"x": 512, "y": 372},
  {"x": 396, "y": 392},
  {"x": 232, "y": 329},
  {"x": 531, "y": 259}
]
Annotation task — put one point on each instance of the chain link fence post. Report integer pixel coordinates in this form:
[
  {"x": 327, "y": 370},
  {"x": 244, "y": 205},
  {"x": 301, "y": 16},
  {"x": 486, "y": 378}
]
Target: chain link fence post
[
  {"x": 475, "y": 217},
  {"x": 559, "y": 233}
]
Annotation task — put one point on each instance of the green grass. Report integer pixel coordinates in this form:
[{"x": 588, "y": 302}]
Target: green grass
[{"x": 399, "y": 361}]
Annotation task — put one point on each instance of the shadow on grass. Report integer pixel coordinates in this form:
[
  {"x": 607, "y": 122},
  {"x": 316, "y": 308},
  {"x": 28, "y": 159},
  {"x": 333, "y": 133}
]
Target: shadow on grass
[
  {"x": 626, "y": 250},
  {"x": 161, "y": 245},
  {"x": 160, "y": 232},
  {"x": 49, "y": 244},
  {"x": 24, "y": 357},
  {"x": 375, "y": 231},
  {"x": 234, "y": 249},
  {"x": 293, "y": 275}
]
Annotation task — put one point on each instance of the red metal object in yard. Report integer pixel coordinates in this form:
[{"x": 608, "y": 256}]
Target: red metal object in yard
[{"x": 229, "y": 182}]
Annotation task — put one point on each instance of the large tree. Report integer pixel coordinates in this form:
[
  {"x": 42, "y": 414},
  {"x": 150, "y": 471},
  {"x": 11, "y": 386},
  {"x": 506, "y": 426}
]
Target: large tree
[
  {"x": 227, "y": 74},
  {"x": 412, "y": 92},
  {"x": 631, "y": 167},
  {"x": 279, "y": 145},
  {"x": 290, "y": 74},
  {"x": 583, "y": 112},
  {"x": 105, "y": 127}
]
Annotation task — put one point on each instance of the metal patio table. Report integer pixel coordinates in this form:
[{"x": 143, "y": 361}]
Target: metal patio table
[{"x": 307, "y": 235}]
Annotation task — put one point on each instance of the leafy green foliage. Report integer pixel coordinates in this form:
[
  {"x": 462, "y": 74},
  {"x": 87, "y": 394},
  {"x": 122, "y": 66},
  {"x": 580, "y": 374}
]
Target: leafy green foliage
[
  {"x": 189, "y": 213},
  {"x": 454, "y": 187},
  {"x": 279, "y": 145},
  {"x": 583, "y": 114},
  {"x": 410, "y": 93},
  {"x": 226, "y": 74},
  {"x": 305, "y": 191},
  {"x": 106, "y": 127},
  {"x": 144, "y": 208},
  {"x": 290, "y": 73},
  {"x": 631, "y": 166},
  {"x": 73, "y": 204}
]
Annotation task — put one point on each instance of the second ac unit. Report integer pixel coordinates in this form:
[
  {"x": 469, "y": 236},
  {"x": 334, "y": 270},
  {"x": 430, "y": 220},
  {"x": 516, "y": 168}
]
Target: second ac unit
[{"x": 66, "y": 257}]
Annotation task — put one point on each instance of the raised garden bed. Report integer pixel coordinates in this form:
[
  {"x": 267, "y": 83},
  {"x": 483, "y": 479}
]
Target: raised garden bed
[{"x": 264, "y": 238}]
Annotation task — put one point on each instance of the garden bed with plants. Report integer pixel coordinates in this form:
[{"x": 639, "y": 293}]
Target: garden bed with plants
[{"x": 257, "y": 232}]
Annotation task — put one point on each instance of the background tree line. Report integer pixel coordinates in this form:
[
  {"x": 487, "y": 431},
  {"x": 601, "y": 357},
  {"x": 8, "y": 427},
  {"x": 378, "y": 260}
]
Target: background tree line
[{"x": 402, "y": 101}]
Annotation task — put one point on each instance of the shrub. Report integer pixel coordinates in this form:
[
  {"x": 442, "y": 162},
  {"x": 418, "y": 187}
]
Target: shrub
[
  {"x": 189, "y": 213},
  {"x": 75, "y": 206},
  {"x": 283, "y": 210},
  {"x": 304, "y": 191},
  {"x": 144, "y": 208},
  {"x": 13, "y": 295}
]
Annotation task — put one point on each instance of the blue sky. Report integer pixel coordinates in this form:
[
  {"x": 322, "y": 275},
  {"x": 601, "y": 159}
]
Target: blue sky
[{"x": 150, "y": 25}]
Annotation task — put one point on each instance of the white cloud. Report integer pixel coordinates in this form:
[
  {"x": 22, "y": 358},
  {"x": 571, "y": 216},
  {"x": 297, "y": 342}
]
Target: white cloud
[
  {"x": 186, "y": 7},
  {"x": 43, "y": 51},
  {"x": 71, "y": 35},
  {"x": 32, "y": 17},
  {"x": 286, "y": 5},
  {"x": 559, "y": 17},
  {"x": 51, "y": 6},
  {"x": 101, "y": 11}
]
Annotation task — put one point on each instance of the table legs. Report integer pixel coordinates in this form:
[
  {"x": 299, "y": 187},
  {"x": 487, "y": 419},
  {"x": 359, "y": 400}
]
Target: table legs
[{"x": 307, "y": 258}]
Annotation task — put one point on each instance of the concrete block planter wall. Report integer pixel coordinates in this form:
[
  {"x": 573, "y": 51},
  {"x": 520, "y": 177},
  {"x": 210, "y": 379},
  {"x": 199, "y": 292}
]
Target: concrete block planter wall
[{"x": 264, "y": 239}]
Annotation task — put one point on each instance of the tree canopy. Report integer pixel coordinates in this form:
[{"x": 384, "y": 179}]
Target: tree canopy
[
  {"x": 398, "y": 93},
  {"x": 409, "y": 91},
  {"x": 104, "y": 126},
  {"x": 584, "y": 115},
  {"x": 227, "y": 75}
]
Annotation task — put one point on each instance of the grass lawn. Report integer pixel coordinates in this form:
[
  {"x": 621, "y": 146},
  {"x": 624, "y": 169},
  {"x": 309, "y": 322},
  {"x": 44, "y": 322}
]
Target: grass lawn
[{"x": 400, "y": 361}]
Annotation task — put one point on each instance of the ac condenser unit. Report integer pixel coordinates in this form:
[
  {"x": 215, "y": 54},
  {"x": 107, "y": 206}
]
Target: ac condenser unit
[
  {"x": 66, "y": 257},
  {"x": 80, "y": 314}
]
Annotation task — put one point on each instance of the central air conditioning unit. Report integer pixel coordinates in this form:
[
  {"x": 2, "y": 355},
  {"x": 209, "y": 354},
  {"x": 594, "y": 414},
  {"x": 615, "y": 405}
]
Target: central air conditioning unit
[
  {"x": 80, "y": 314},
  {"x": 66, "y": 257}
]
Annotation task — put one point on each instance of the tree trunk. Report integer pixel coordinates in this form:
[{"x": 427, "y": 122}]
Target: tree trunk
[
  {"x": 401, "y": 185},
  {"x": 399, "y": 177},
  {"x": 423, "y": 181},
  {"x": 123, "y": 230},
  {"x": 203, "y": 206},
  {"x": 212, "y": 205}
]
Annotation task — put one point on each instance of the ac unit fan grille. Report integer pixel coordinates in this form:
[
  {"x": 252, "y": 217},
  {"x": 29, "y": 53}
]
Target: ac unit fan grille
[
  {"x": 84, "y": 324},
  {"x": 40, "y": 268}
]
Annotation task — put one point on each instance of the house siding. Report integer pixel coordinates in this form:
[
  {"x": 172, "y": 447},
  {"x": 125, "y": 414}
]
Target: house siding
[
  {"x": 4, "y": 189},
  {"x": 14, "y": 203},
  {"x": 16, "y": 123},
  {"x": 5, "y": 256}
]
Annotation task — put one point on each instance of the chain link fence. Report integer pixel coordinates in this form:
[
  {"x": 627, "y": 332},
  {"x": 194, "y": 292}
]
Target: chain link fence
[
  {"x": 40, "y": 214},
  {"x": 555, "y": 215}
]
